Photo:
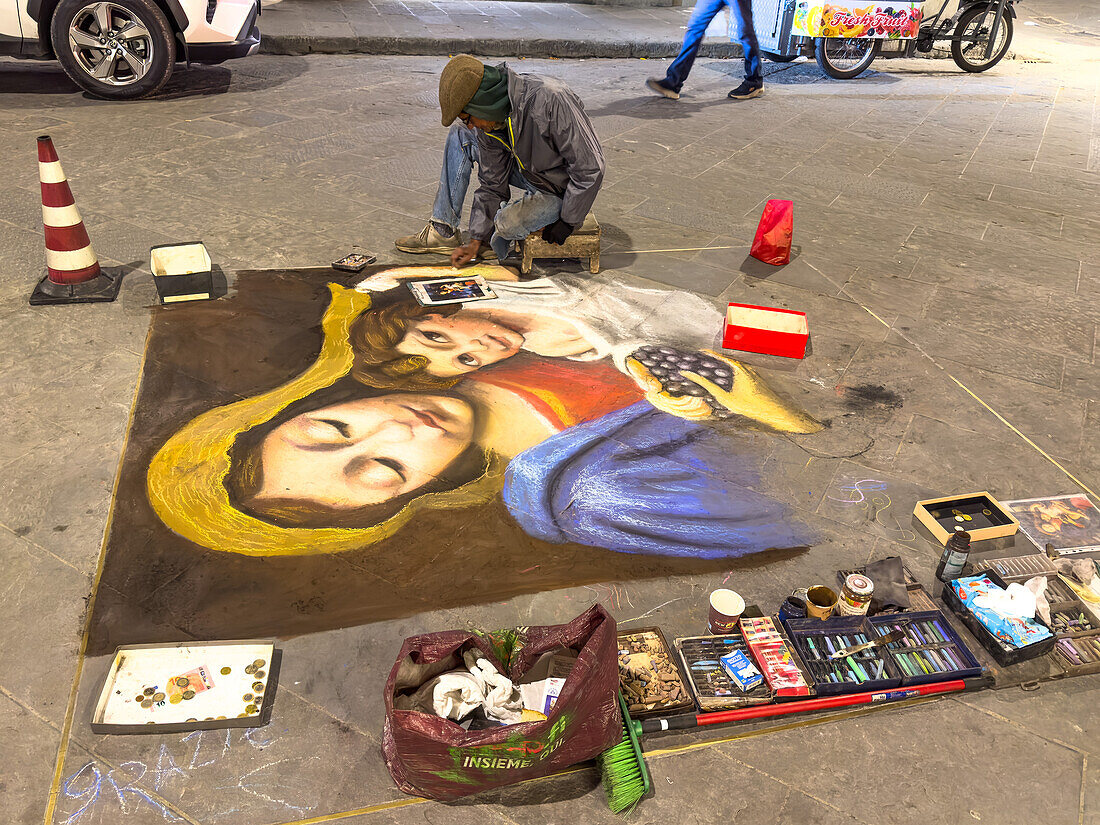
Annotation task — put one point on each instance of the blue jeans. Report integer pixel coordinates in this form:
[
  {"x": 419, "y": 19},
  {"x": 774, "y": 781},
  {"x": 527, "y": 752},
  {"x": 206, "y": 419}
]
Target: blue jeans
[
  {"x": 705, "y": 11},
  {"x": 515, "y": 220}
]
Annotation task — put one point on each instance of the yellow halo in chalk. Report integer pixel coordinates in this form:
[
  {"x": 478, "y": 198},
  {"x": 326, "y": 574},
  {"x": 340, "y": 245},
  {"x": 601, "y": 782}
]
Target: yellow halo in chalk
[{"x": 186, "y": 478}]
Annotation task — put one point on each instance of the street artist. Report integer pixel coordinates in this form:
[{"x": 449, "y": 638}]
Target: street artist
[{"x": 521, "y": 130}]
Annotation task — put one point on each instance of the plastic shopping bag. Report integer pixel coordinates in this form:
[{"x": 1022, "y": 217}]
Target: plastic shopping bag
[
  {"x": 772, "y": 243},
  {"x": 434, "y": 757}
]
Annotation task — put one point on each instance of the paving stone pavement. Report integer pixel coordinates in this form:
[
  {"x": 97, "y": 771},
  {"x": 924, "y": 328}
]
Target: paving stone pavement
[
  {"x": 948, "y": 228},
  {"x": 1047, "y": 30}
]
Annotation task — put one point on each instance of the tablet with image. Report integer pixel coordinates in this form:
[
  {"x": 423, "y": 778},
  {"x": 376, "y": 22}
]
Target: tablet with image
[{"x": 451, "y": 290}]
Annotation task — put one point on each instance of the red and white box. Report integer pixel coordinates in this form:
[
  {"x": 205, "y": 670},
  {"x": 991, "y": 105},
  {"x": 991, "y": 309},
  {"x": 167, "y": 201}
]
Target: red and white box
[{"x": 766, "y": 330}]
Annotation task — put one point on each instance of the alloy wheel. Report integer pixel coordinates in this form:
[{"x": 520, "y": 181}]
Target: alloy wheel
[{"x": 111, "y": 44}]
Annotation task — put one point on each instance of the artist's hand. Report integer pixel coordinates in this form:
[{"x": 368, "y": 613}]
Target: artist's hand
[
  {"x": 753, "y": 398},
  {"x": 465, "y": 253},
  {"x": 557, "y": 232}
]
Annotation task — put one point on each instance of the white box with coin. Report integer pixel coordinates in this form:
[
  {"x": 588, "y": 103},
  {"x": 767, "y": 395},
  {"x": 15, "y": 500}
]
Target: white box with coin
[{"x": 157, "y": 688}]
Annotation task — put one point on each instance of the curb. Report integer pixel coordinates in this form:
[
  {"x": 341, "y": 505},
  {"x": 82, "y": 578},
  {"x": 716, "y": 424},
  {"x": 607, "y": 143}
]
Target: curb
[{"x": 296, "y": 44}]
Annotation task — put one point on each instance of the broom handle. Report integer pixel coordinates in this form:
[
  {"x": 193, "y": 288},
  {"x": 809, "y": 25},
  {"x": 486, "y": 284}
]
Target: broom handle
[{"x": 820, "y": 703}]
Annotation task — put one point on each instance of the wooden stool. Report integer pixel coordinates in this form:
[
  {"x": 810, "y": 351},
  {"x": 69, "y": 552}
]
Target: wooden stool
[{"x": 584, "y": 243}]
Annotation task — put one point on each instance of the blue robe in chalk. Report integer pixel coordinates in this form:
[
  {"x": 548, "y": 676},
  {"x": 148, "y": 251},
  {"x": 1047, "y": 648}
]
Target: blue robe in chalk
[{"x": 642, "y": 481}]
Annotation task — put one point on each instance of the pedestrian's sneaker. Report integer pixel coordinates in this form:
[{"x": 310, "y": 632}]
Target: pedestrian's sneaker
[
  {"x": 428, "y": 239},
  {"x": 654, "y": 84},
  {"x": 747, "y": 91}
]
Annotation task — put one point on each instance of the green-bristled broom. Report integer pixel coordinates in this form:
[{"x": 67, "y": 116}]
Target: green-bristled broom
[{"x": 622, "y": 768}]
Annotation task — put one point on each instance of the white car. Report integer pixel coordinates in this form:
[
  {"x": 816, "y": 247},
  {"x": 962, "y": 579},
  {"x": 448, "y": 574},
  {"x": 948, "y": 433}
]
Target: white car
[{"x": 127, "y": 48}]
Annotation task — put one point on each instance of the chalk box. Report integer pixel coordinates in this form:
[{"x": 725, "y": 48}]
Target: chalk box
[
  {"x": 766, "y": 330},
  {"x": 710, "y": 684},
  {"x": 741, "y": 670}
]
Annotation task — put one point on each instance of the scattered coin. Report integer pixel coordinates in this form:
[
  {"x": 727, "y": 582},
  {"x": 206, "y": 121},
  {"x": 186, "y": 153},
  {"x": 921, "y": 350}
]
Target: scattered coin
[
  {"x": 175, "y": 698},
  {"x": 987, "y": 512},
  {"x": 258, "y": 687},
  {"x": 189, "y": 694},
  {"x": 192, "y": 719},
  {"x": 226, "y": 671},
  {"x": 148, "y": 703},
  {"x": 221, "y": 717},
  {"x": 182, "y": 681},
  {"x": 251, "y": 710},
  {"x": 259, "y": 663},
  {"x": 158, "y": 697},
  {"x": 140, "y": 697},
  {"x": 250, "y": 669},
  {"x": 149, "y": 691},
  {"x": 259, "y": 674},
  {"x": 239, "y": 715},
  {"x": 248, "y": 697}
]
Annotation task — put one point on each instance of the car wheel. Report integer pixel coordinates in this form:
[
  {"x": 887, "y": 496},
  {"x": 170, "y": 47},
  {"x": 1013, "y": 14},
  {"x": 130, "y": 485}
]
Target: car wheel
[{"x": 114, "y": 49}]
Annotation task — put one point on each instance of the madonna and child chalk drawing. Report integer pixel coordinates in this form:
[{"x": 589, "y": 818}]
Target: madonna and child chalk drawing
[{"x": 322, "y": 452}]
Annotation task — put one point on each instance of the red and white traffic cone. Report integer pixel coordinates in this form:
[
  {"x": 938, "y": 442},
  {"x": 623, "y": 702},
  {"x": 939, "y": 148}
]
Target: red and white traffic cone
[{"x": 74, "y": 275}]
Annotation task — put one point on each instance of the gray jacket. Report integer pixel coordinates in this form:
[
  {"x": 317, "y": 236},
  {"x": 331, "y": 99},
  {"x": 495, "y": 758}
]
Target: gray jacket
[{"x": 554, "y": 142}]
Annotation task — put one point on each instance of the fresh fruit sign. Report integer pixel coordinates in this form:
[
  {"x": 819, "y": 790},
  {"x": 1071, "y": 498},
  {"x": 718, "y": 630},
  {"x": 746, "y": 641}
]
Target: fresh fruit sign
[{"x": 894, "y": 21}]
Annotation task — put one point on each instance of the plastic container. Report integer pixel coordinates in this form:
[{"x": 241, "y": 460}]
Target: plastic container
[{"x": 1003, "y": 653}]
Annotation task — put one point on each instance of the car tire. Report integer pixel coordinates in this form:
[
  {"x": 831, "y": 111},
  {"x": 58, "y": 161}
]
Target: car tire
[{"x": 114, "y": 49}]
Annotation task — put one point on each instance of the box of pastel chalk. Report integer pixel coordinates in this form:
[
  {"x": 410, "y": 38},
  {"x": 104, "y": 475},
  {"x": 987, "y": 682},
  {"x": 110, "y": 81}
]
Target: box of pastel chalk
[{"x": 766, "y": 330}]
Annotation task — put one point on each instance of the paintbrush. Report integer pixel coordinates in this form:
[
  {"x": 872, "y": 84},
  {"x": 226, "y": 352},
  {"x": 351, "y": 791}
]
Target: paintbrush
[{"x": 882, "y": 641}]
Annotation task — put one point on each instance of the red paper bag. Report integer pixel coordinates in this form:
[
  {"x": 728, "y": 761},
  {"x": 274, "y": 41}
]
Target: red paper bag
[
  {"x": 434, "y": 757},
  {"x": 772, "y": 243}
]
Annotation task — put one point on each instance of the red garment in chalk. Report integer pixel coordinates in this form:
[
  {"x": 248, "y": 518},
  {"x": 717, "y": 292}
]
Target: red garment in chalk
[{"x": 561, "y": 391}]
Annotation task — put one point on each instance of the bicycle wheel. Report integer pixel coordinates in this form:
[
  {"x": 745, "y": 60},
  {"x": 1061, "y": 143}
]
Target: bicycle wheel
[
  {"x": 972, "y": 48},
  {"x": 843, "y": 57}
]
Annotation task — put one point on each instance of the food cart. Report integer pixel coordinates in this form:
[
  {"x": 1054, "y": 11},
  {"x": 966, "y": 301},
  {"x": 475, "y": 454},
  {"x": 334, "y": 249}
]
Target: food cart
[{"x": 846, "y": 35}]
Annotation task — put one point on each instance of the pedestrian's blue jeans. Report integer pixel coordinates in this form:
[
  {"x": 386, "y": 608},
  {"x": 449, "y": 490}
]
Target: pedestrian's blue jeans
[
  {"x": 705, "y": 11},
  {"x": 515, "y": 220}
]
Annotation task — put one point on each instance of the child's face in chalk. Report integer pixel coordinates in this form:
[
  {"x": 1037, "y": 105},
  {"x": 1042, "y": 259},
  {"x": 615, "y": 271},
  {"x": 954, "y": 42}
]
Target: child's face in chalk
[{"x": 460, "y": 343}]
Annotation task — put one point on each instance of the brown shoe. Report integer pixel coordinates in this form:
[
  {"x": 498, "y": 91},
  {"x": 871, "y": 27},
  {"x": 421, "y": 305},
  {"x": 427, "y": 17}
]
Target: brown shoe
[
  {"x": 429, "y": 240},
  {"x": 654, "y": 84}
]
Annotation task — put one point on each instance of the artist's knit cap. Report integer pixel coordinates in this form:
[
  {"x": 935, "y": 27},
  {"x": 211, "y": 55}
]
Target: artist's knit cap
[{"x": 457, "y": 84}]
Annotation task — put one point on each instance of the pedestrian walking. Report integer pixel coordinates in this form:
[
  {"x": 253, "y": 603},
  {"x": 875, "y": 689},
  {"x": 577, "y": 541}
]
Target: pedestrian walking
[{"x": 705, "y": 11}]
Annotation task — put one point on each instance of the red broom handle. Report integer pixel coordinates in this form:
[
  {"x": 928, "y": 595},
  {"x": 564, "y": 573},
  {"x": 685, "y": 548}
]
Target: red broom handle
[{"x": 821, "y": 703}]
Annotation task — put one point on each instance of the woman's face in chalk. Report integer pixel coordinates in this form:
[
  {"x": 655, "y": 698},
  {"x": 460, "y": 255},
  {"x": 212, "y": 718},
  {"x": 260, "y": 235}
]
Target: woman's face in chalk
[
  {"x": 460, "y": 343},
  {"x": 364, "y": 452}
]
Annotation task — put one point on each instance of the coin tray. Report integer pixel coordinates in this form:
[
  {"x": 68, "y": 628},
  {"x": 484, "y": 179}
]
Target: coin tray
[
  {"x": 157, "y": 688},
  {"x": 979, "y": 514}
]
